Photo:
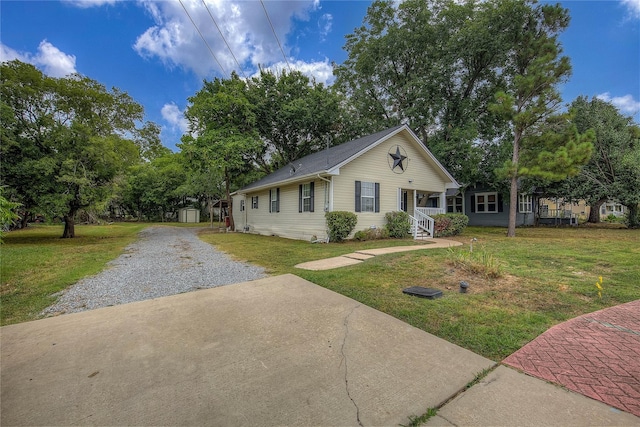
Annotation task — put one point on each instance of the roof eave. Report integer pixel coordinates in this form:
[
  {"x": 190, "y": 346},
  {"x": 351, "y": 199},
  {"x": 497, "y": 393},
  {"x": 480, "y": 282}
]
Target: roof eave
[{"x": 283, "y": 182}]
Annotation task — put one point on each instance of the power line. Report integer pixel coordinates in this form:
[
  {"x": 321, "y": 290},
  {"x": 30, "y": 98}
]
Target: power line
[
  {"x": 203, "y": 39},
  {"x": 275, "y": 35},
  {"x": 225, "y": 40}
]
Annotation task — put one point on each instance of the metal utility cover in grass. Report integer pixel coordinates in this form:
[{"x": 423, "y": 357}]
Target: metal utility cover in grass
[{"x": 421, "y": 292}]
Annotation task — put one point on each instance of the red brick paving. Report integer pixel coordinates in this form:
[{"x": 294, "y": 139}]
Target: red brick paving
[{"x": 597, "y": 355}]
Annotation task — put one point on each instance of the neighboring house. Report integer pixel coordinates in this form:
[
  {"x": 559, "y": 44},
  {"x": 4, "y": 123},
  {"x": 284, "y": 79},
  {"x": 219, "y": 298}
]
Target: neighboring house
[
  {"x": 612, "y": 208},
  {"x": 557, "y": 211},
  {"x": 388, "y": 171},
  {"x": 487, "y": 207},
  {"x": 552, "y": 210}
]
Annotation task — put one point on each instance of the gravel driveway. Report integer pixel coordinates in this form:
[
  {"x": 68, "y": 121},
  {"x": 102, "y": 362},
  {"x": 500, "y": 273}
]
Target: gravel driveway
[{"x": 164, "y": 261}]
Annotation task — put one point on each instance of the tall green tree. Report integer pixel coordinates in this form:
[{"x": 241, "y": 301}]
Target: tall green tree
[
  {"x": 543, "y": 142},
  {"x": 612, "y": 173},
  {"x": 223, "y": 136},
  {"x": 434, "y": 65},
  {"x": 65, "y": 140},
  {"x": 294, "y": 117},
  {"x": 153, "y": 188}
]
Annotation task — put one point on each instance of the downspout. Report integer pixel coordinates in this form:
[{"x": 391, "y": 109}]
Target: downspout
[
  {"x": 245, "y": 228},
  {"x": 326, "y": 195}
]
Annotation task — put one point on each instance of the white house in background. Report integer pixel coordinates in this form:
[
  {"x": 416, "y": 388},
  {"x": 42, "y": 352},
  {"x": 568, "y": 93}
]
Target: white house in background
[
  {"x": 387, "y": 171},
  {"x": 612, "y": 208}
]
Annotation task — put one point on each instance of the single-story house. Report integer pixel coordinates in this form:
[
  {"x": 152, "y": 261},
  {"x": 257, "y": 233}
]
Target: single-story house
[
  {"x": 612, "y": 208},
  {"x": 387, "y": 171}
]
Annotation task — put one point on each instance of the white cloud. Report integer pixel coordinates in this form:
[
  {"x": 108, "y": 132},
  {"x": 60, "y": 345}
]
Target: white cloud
[
  {"x": 634, "y": 7},
  {"x": 321, "y": 71},
  {"x": 49, "y": 58},
  {"x": 626, "y": 104},
  {"x": 325, "y": 24},
  {"x": 176, "y": 42},
  {"x": 55, "y": 62},
  {"x": 8, "y": 54},
  {"x": 90, "y": 3},
  {"x": 172, "y": 114}
]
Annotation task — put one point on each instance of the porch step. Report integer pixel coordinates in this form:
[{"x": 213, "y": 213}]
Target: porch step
[{"x": 422, "y": 236}]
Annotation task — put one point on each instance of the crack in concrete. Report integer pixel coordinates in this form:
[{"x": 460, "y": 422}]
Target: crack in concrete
[{"x": 346, "y": 368}]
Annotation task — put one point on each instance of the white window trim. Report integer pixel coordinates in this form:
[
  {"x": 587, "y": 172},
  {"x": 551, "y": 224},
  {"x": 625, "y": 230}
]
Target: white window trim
[
  {"x": 306, "y": 197},
  {"x": 486, "y": 202},
  {"x": 525, "y": 203},
  {"x": 370, "y": 198}
]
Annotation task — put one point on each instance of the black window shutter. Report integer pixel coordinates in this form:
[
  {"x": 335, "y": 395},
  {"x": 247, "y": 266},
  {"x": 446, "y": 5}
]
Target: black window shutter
[
  {"x": 311, "y": 208},
  {"x": 377, "y": 201},
  {"x": 358, "y": 193},
  {"x": 270, "y": 199},
  {"x": 300, "y": 198},
  {"x": 473, "y": 202},
  {"x": 256, "y": 202},
  {"x": 278, "y": 199},
  {"x": 500, "y": 203}
]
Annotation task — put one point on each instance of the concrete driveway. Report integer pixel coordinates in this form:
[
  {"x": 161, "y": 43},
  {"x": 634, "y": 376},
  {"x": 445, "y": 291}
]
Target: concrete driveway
[{"x": 275, "y": 351}]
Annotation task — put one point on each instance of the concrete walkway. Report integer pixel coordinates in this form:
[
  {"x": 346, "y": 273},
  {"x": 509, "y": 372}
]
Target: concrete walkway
[
  {"x": 360, "y": 256},
  {"x": 597, "y": 355},
  {"x": 271, "y": 352},
  {"x": 275, "y": 351}
]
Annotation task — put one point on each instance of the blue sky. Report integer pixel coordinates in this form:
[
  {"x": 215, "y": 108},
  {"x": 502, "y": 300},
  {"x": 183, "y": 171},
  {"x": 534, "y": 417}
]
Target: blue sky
[{"x": 152, "y": 50}]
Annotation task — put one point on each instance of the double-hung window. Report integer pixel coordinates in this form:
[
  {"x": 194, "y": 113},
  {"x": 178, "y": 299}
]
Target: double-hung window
[
  {"x": 254, "y": 202},
  {"x": 367, "y": 196},
  {"x": 486, "y": 202},
  {"x": 454, "y": 204},
  {"x": 274, "y": 200},
  {"x": 305, "y": 197},
  {"x": 525, "y": 203}
]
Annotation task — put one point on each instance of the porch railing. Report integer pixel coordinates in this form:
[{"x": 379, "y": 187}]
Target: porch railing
[
  {"x": 431, "y": 211},
  {"x": 558, "y": 216},
  {"x": 555, "y": 213},
  {"x": 421, "y": 222}
]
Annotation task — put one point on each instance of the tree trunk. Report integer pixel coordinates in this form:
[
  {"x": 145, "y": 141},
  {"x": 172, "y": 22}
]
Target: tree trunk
[
  {"x": 633, "y": 217},
  {"x": 232, "y": 226},
  {"x": 513, "y": 205},
  {"x": 513, "y": 192},
  {"x": 24, "y": 221},
  {"x": 594, "y": 211},
  {"x": 69, "y": 225},
  {"x": 210, "y": 202}
]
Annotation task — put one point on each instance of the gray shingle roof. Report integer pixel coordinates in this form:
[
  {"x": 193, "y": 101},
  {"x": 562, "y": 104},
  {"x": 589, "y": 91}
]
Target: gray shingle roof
[{"x": 321, "y": 161}]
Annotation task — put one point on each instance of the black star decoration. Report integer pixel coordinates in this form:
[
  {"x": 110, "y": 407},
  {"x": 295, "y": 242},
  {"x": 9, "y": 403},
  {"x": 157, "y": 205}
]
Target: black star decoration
[{"x": 398, "y": 159}]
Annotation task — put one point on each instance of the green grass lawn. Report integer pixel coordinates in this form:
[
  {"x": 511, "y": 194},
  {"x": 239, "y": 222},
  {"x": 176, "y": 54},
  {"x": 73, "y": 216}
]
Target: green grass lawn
[
  {"x": 548, "y": 276},
  {"x": 36, "y": 263}
]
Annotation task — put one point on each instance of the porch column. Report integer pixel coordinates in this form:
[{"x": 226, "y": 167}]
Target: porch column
[
  {"x": 443, "y": 201},
  {"x": 415, "y": 202}
]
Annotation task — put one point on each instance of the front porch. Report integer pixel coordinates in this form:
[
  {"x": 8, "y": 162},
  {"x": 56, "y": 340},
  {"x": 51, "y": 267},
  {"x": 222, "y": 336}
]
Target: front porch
[
  {"x": 422, "y": 223},
  {"x": 421, "y": 205}
]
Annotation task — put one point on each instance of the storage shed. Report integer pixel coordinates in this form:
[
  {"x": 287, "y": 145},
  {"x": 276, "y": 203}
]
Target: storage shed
[{"x": 188, "y": 215}]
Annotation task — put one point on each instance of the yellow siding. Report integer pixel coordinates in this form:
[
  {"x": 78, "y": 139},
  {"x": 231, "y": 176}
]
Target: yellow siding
[
  {"x": 288, "y": 222},
  {"x": 373, "y": 166}
]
